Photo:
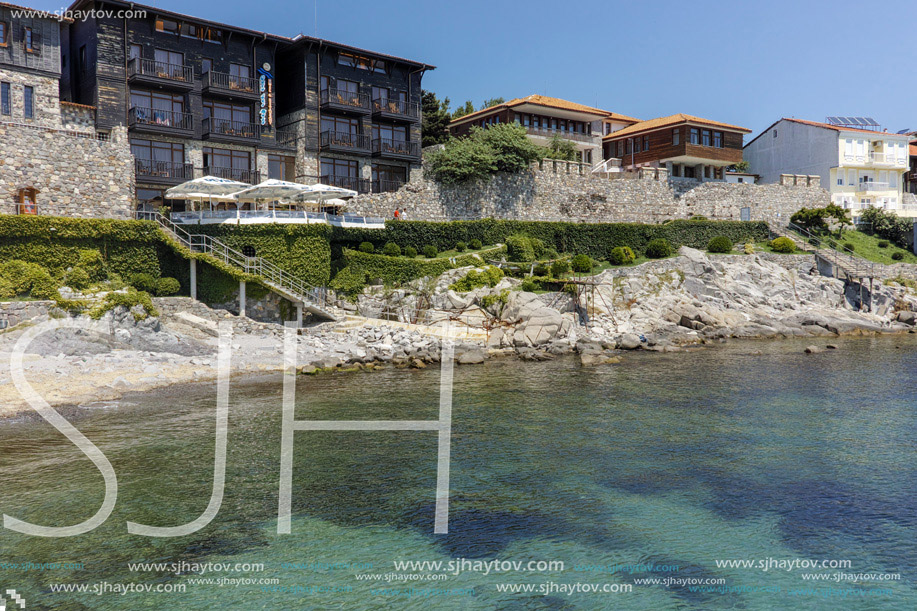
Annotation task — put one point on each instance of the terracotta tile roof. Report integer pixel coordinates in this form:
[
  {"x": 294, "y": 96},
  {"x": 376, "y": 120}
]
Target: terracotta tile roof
[
  {"x": 40, "y": 13},
  {"x": 643, "y": 126},
  {"x": 549, "y": 102},
  {"x": 75, "y": 105},
  {"x": 912, "y": 150}
]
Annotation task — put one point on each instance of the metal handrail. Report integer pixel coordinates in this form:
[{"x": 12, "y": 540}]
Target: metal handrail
[
  {"x": 257, "y": 266},
  {"x": 843, "y": 258}
]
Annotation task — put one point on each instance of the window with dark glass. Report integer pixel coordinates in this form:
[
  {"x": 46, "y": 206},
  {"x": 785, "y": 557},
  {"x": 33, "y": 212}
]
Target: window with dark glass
[
  {"x": 695, "y": 135},
  {"x": 28, "y": 102},
  {"x": 169, "y": 58},
  {"x": 340, "y": 125},
  {"x": 5, "y": 108},
  {"x": 718, "y": 139},
  {"x": 239, "y": 76},
  {"x": 136, "y": 52},
  {"x": 705, "y": 137},
  {"x": 191, "y": 30},
  {"x": 4, "y": 34},
  {"x": 281, "y": 167},
  {"x": 646, "y": 143},
  {"x": 27, "y": 40},
  {"x": 630, "y": 146},
  {"x": 206, "y": 65},
  {"x": 676, "y": 136},
  {"x": 239, "y": 162},
  {"x": 157, "y": 108},
  {"x": 397, "y": 133},
  {"x": 326, "y": 83},
  {"x": 167, "y": 25},
  {"x": 225, "y": 111},
  {"x": 340, "y": 168},
  {"x": 388, "y": 178},
  {"x": 620, "y": 148},
  {"x": 165, "y": 159},
  {"x": 636, "y": 145}
]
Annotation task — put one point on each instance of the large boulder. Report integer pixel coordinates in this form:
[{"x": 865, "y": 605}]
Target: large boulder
[{"x": 536, "y": 323}]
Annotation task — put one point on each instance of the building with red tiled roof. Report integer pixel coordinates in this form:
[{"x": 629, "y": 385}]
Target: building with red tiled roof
[
  {"x": 859, "y": 167},
  {"x": 687, "y": 146},
  {"x": 545, "y": 117}
]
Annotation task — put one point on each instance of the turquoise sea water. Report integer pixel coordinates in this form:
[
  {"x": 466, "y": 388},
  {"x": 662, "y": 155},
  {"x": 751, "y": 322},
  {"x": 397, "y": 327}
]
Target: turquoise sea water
[{"x": 667, "y": 462}]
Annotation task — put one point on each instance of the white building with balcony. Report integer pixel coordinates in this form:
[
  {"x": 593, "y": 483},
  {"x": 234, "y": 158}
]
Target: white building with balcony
[{"x": 859, "y": 167}]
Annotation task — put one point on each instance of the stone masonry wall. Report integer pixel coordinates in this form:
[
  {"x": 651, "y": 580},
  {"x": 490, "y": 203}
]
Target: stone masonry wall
[
  {"x": 561, "y": 191},
  {"x": 77, "y": 117},
  {"x": 75, "y": 176}
]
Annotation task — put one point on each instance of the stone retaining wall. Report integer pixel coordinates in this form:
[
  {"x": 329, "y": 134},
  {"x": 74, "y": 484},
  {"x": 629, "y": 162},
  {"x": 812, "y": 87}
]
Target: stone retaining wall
[
  {"x": 75, "y": 175},
  {"x": 561, "y": 191},
  {"x": 13, "y": 313}
]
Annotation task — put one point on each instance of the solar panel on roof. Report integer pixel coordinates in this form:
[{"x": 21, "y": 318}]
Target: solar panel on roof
[
  {"x": 872, "y": 121},
  {"x": 904, "y": 131}
]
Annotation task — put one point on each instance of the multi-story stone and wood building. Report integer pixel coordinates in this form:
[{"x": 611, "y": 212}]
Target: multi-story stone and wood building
[
  {"x": 686, "y": 146},
  {"x": 859, "y": 167},
  {"x": 545, "y": 118},
  {"x": 206, "y": 98},
  {"x": 910, "y": 178},
  {"x": 39, "y": 131}
]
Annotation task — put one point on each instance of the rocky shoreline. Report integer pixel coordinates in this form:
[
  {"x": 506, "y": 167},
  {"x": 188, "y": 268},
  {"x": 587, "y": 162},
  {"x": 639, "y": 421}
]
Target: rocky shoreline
[{"x": 663, "y": 306}]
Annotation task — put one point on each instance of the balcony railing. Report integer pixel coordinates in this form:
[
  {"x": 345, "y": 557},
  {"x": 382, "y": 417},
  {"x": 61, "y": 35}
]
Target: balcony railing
[
  {"x": 550, "y": 133},
  {"x": 285, "y": 137},
  {"x": 395, "y": 148},
  {"x": 873, "y": 186},
  {"x": 360, "y": 185},
  {"x": 236, "y": 129},
  {"x": 344, "y": 141},
  {"x": 385, "y": 186},
  {"x": 396, "y": 108},
  {"x": 159, "y": 118},
  {"x": 230, "y": 83},
  {"x": 251, "y": 177},
  {"x": 165, "y": 170},
  {"x": 160, "y": 70},
  {"x": 345, "y": 100}
]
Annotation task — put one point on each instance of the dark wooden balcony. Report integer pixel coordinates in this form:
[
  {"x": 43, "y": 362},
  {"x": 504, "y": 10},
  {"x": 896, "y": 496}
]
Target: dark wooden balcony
[
  {"x": 160, "y": 74},
  {"x": 360, "y": 185},
  {"x": 228, "y": 85},
  {"x": 251, "y": 177},
  {"x": 396, "y": 110},
  {"x": 386, "y": 186},
  {"x": 395, "y": 149},
  {"x": 225, "y": 130},
  {"x": 162, "y": 172},
  {"x": 345, "y": 142},
  {"x": 165, "y": 122},
  {"x": 349, "y": 102}
]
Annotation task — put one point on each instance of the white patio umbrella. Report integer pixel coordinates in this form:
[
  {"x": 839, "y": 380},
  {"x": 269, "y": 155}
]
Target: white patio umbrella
[
  {"x": 320, "y": 192},
  {"x": 206, "y": 187},
  {"x": 271, "y": 189}
]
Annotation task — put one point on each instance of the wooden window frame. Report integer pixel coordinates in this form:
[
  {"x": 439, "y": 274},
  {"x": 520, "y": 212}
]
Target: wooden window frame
[
  {"x": 30, "y": 107},
  {"x": 5, "y": 41},
  {"x": 27, "y": 201},
  {"x": 676, "y": 136},
  {"x": 9, "y": 99},
  {"x": 28, "y": 40}
]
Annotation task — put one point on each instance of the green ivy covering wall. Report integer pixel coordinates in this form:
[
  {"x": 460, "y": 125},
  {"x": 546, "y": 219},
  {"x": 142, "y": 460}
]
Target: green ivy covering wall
[{"x": 593, "y": 239}]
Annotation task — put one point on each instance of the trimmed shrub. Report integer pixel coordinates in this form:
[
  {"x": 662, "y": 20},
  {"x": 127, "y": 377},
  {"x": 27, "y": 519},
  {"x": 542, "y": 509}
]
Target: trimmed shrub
[
  {"x": 43, "y": 285},
  {"x": 144, "y": 282},
  {"x": 391, "y": 249},
  {"x": 749, "y": 249},
  {"x": 460, "y": 247},
  {"x": 92, "y": 261},
  {"x": 528, "y": 285},
  {"x": 582, "y": 264},
  {"x": 537, "y": 247},
  {"x": 410, "y": 252},
  {"x": 367, "y": 247},
  {"x": 621, "y": 255},
  {"x": 77, "y": 278},
  {"x": 475, "y": 244},
  {"x": 898, "y": 256},
  {"x": 430, "y": 251},
  {"x": 720, "y": 244},
  {"x": 127, "y": 300},
  {"x": 783, "y": 245},
  {"x": 884, "y": 243},
  {"x": 519, "y": 248},
  {"x": 658, "y": 248},
  {"x": 559, "y": 268},
  {"x": 849, "y": 246},
  {"x": 167, "y": 286}
]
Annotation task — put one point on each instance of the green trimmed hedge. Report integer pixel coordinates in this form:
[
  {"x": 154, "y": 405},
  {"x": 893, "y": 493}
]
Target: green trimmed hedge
[
  {"x": 361, "y": 268},
  {"x": 594, "y": 239}
]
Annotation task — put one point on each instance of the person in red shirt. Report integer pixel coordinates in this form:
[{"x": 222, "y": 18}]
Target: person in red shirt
[{"x": 397, "y": 214}]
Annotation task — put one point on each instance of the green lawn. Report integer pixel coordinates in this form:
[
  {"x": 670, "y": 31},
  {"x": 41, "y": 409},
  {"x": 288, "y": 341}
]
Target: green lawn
[
  {"x": 766, "y": 247},
  {"x": 867, "y": 246}
]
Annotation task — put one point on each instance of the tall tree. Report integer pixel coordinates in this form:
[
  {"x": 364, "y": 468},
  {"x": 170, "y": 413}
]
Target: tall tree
[
  {"x": 491, "y": 102},
  {"x": 465, "y": 109},
  {"x": 435, "y": 125}
]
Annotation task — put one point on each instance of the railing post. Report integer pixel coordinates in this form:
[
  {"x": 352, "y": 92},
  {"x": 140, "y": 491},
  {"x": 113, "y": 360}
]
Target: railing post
[{"x": 194, "y": 279}]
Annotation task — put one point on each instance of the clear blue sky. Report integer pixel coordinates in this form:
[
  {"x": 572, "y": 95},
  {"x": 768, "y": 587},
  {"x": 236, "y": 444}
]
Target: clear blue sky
[{"x": 747, "y": 62}]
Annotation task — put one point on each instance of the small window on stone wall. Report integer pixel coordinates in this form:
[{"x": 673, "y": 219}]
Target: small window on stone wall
[
  {"x": 28, "y": 201},
  {"x": 248, "y": 251}
]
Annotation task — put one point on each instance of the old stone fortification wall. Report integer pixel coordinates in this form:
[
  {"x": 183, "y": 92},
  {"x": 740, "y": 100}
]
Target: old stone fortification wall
[
  {"x": 75, "y": 174},
  {"x": 561, "y": 191}
]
